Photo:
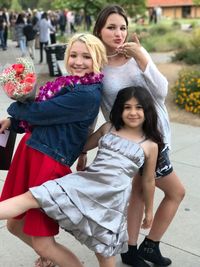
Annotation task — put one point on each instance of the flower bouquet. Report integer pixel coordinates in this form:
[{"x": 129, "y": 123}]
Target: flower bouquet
[{"x": 19, "y": 80}]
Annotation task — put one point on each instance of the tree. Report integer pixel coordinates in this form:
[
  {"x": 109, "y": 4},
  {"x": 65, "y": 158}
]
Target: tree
[
  {"x": 5, "y": 3},
  {"x": 32, "y": 4},
  {"x": 91, "y": 7},
  {"x": 196, "y": 2},
  {"x": 15, "y": 6}
]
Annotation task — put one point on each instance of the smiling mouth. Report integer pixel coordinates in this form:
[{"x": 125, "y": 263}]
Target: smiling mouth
[
  {"x": 79, "y": 69},
  {"x": 133, "y": 120}
]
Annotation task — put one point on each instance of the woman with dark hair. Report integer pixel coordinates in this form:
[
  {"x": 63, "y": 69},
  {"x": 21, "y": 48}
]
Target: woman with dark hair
[
  {"x": 92, "y": 204},
  {"x": 129, "y": 64},
  {"x": 19, "y": 34}
]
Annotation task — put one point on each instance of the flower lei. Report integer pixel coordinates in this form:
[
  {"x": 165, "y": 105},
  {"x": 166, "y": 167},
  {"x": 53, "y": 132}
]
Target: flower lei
[{"x": 50, "y": 89}]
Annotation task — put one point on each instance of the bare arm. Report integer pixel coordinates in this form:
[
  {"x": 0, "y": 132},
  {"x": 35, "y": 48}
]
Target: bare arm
[
  {"x": 91, "y": 143},
  {"x": 148, "y": 182}
]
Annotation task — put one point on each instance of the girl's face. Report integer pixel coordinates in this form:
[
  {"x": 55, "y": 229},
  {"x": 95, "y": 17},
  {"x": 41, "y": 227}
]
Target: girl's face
[
  {"x": 80, "y": 61},
  {"x": 114, "y": 32},
  {"x": 133, "y": 114}
]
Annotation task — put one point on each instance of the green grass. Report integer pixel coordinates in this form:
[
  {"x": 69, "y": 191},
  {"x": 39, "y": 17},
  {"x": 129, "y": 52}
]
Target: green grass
[{"x": 164, "y": 36}]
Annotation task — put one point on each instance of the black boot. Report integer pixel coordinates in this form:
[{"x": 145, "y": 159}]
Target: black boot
[
  {"x": 149, "y": 250},
  {"x": 131, "y": 258}
]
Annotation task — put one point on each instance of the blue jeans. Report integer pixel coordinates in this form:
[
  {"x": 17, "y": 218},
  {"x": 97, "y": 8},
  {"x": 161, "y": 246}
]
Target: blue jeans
[
  {"x": 2, "y": 39},
  {"x": 22, "y": 45}
]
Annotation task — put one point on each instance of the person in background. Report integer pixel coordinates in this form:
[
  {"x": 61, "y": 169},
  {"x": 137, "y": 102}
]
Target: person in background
[
  {"x": 34, "y": 21},
  {"x": 2, "y": 29},
  {"x": 88, "y": 22},
  {"x": 44, "y": 28},
  {"x": 129, "y": 64},
  {"x": 12, "y": 20},
  {"x": 62, "y": 22},
  {"x": 53, "y": 20},
  {"x": 60, "y": 129},
  {"x": 92, "y": 204},
  {"x": 19, "y": 33},
  {"x": 30, "y": 34},
  {"x": 6, "y": 18}
]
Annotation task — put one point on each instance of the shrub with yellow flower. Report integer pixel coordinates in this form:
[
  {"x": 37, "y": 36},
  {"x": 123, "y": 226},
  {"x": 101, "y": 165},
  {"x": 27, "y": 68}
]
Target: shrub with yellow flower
[{"x": 187, "y": 91}]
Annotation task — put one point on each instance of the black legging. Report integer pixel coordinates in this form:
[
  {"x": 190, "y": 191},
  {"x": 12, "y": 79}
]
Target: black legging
[{"x": 41, "y": 50}]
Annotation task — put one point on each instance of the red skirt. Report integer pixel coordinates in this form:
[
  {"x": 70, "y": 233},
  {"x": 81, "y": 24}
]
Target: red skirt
[{"x": 30, "y": 168}]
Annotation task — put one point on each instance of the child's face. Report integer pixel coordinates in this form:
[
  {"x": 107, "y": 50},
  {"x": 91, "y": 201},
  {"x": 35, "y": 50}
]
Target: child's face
[
  {"x": 80, "y": 61},
  {"x": 133, "y": 114}
]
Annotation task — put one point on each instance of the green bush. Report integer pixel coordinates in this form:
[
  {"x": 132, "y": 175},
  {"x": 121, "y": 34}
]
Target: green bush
[
  {"x": 176, "y": 24},
  {"x": 195, "y": 41},
  {"x": 160, "y": 29},
  {"x": 189, "y": 56}
]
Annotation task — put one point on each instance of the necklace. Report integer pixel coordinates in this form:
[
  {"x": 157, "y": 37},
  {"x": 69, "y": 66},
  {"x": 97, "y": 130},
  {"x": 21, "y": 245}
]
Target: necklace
[{"x": 113, "y": 55}]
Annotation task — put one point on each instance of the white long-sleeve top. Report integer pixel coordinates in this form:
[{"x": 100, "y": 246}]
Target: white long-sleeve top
[
  {"x": 44, "y": 30},
  {"x": 129, "y": 74}
]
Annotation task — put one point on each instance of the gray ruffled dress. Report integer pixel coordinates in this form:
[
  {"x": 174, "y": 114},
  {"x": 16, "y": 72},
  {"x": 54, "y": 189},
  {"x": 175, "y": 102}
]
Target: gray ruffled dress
[{"x": 92, "y": 205}]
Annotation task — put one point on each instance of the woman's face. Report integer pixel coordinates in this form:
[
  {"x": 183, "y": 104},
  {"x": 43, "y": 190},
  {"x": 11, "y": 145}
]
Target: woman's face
[
  {"x": 114, "y": 32},
  {"x": 80, "y": 61}
]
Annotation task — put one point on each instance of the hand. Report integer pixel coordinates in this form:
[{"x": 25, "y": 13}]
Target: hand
[
  {"x": 4, "y": 124},
  {"x": 147, "y": 221},
  {"x": 130, "y": 49},
  {"x": 82, "y": 161}
]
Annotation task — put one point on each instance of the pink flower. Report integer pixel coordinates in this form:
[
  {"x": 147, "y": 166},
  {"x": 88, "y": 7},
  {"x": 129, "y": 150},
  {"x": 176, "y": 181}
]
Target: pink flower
[
  {"x": 9, "y": 88},
  {"x": 30, "y": 78},
  {"x": 28, "y": 88},
  {"x": 19, "y": 68}
]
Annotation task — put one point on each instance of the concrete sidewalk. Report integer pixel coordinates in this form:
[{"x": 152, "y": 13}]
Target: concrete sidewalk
[{"x": 182, "y": 240}]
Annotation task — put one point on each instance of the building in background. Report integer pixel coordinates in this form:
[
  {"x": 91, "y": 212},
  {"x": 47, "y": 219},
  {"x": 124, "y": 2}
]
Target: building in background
[{"x": 176, "y": 9}]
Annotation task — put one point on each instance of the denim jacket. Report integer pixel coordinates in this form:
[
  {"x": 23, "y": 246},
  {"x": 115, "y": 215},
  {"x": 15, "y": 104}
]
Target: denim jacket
[{"x": 61, "y": 123}]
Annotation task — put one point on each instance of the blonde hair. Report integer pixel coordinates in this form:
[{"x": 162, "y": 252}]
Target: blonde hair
[{"x": 94, "y": 46}]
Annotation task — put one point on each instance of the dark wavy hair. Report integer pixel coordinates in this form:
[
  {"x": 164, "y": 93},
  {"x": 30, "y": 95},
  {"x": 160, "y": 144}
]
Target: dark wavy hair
[
  {"x": 103, "y": 16},
  {"x": 150, "y": 125}
]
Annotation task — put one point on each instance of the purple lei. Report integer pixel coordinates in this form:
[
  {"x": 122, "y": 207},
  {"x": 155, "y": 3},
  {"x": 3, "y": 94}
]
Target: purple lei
[{"x": 50, "y": 89}]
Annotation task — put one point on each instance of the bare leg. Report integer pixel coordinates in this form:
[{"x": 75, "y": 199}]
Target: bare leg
[
  {"x": 105, "y": 262},
  {"x": 15, "y": 227},
  {"x": 135, "y": 215},
  {"x": 15, "y": 206},
  {"x": 48, "y": 248},
  {"x": 174, "y": 194},
  {"x": 135, "y": 210}
]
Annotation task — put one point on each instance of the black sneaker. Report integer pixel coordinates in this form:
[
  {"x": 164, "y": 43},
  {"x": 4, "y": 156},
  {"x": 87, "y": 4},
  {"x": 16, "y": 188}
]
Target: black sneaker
[{"x": 149, "y": 250}]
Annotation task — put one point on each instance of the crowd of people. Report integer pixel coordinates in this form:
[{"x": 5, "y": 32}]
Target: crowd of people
[
  {"x": 35, "y": 29},
  {"x": 104, "y": 205}
]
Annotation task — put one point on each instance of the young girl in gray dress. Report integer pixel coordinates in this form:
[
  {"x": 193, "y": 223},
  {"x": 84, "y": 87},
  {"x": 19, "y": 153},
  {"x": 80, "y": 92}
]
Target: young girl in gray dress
[
  {"x": 129, "y": 64},
  {"x": 92, "y": 204}
]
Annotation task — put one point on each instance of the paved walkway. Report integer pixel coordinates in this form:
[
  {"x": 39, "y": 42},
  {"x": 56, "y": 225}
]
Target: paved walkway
[{"x": 181, "y": 242}]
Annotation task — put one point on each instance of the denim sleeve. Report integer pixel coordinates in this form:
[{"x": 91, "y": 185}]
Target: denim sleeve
[{"x": 77, "y": 105}]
